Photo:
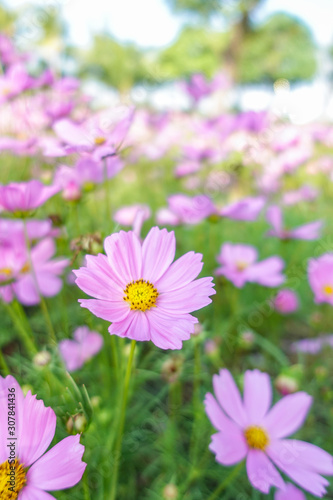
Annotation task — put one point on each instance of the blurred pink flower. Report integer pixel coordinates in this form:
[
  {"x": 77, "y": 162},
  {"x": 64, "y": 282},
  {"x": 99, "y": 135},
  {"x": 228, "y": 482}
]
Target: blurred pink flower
[
  {"x": 191, "y": 210},
  {"x": 286, "y": 301},
  {"x": 17, "y": 278},
  {"x": 320, "y": 274},
  {"x": 25, "y": 196},
  {"x": 197, "y": 87},
  {"x": 245, "y": 209},
  {"x": 239, "y": 266},
  {"x": 101, "y": 135},
  {"x": 311, "y": 231},
  {"x": 84, "y": 346},
  {"x": 141, "y": 292},
  {"x": 312, "y": 346},
  {"x": 133, "y": 215},
  {"x": 35, "y": 471},
  {"x": 248, "y": 428},
  {"x": 290, "y": 493},
  {"x": 305, "y": 193}
]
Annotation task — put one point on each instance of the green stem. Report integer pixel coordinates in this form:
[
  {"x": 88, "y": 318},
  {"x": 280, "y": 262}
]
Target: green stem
[
  {"x": 234, "y": 473},
  {"x": 117, "y": 451},
  {"x": 16, "y": 313},
  {"x": 196, "y": 402},
  {"x": 107, "y": 194},
  {"x": 44, "y": 308},
  {"x": 3, "y": 365}
]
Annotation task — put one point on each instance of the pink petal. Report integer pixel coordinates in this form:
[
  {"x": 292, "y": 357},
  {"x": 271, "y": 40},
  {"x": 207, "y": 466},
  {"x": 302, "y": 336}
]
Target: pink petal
[
  {"x": 61, "y": 467},
  {"x": 181, "y": 272},
  {"x": 25, "y": 290},
  {"x": 158, "y": 251},
  {"x": 98, "y": 277},
  {"x": 290, "y": 493},
  {"x": 229, "y": 398},
  {"x": 303, "y": 455},
  {"x": 288, "y": 457},
  {"x": 71, "y": 354},
  {"x": 42, "y": 252},
  {"x": 32, "y": 493},
  {"x": 287, "y": 415},
  {"x": 257, "y": 395},
  {"x": 229, "y": 447},
  {"x": 123, "y": 251},
  {"x": 5, "y": 384},
  {"x": 139, "y": 328},
  {"x": 217, "y": 417},
  {"x": 105, "y": 309},
  {"x": 261, "y": 472},
  {"x": 37, "y": 432},
  {"x": 189, "y": 298},
  {"x": 274, "y": 217},
  {"x": 49, "y": 284}
]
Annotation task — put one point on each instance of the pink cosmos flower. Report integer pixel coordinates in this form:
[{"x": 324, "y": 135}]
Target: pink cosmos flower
[
  {"x": 197, "y": 87},
  {"x": 290, "y": 493},
  {"x": 305, "y": 193},
  {"x": 17, "y": 277},
  {"x": 100, "y": 135},
  {"x": 133, "y": 215},
  {"x": 35, "y": 471},
  {"x": 84, "y": 346},
  {"x": 141, "y": 292},
  {"x": 25, "y": 196},
  {"x": 305, "y": 232},
  {"x": 286, "y": 301},
  {"x": 191, "y": 210},
  {"x": 248, "y": 428},
  {"x": 320, "y": 273},
  {"x": 245, "y": 209},
  {"x": 312, "y": 346},
  {"x": 239, "y": 266}
]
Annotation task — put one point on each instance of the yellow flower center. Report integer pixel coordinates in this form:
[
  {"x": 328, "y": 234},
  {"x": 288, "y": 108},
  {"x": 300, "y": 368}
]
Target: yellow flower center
[
  {"x": 6, "y": 271},
  {"x": 328, "y": 289},
  {"x": 100, "y": 140},
  {"x": 241, "y": 265},
  {"x": 256, "y": 437},
  {"x": 12, "y": 479},
  {"x": 141, "y": 295},
  {"x": 25, "y": 268}
]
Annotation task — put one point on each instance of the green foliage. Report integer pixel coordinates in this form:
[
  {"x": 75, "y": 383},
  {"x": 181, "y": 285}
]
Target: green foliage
[
  {"x": 208, "y": 8},
  {"x": 118, "y": 65},
  {"x": 281, "y": 48},
  {"x": 196, "y": 50},
  {"x": 7, "y": 19}
]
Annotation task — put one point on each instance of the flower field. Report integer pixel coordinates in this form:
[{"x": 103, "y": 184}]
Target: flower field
[{"x": 166, "y": 293}]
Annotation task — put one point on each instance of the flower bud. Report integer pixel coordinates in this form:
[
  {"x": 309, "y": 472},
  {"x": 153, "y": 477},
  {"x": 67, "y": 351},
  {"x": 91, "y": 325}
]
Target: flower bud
[
  {"x": 42, "y": 358},
  {"x": 170, "y": 492},
  {"x": 172, "y": 368},
  {"x": 286, "y": 384}
]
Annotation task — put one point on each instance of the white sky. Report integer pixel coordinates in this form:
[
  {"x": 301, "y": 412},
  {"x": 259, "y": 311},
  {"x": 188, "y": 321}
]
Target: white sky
[{"x": 149, "y": 23}]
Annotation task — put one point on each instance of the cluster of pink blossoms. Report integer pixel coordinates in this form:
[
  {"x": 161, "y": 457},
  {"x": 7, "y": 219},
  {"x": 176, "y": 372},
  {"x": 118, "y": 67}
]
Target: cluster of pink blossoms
[
  {"x": 249, "y": 429},
  {"x": 23, "y": 455}
]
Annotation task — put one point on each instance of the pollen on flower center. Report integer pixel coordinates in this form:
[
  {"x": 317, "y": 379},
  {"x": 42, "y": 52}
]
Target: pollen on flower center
[
  {"x": 256, "y": 437},
  {"x": 12, "y": 479},
  {"x": 328, "y": 289},
  {"x": 6, "y": 270},
  {"x": 241, "y": 265},
  {"x": 100, "y": 140},
  {"x": 25, "y": 268},
  {"x": 141, "y": 295}
]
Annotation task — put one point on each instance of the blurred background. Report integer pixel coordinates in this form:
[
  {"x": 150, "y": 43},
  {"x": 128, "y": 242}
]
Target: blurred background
[{"x": 259, "y": 54}]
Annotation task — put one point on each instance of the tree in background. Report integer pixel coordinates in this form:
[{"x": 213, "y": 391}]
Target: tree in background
[
  {"x": 116, "y": 64},
  {"x": 282, "y": 47}
]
